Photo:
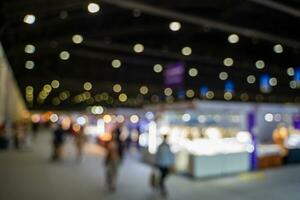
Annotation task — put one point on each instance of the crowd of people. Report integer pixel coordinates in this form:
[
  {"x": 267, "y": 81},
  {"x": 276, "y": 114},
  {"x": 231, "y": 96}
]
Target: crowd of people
[
  {"x": 23, "y": 133},
  {"x": 20, "y": 134},
  {"x": 115, "y": 149}
]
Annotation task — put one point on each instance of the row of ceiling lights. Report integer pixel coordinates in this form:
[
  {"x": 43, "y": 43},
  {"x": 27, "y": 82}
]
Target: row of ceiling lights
[
  {"x": 139, "y": 48},
  {"x": 173, "y": 26},
  {"x": 190, "y": 93}
]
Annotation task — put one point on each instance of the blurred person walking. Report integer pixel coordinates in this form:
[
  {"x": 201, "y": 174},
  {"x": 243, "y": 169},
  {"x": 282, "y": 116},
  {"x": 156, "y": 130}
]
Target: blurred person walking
[
  {"x": 112, "y": 162},
  {"x": 121, "y": 144},
  {"x": 165, "y": 163},
  {"x": 17, "y": 135},
  {"x": 58, "y": 141},
  {"x": 35, "y": 128},
  {"x": 79, "y": 142},
  {"x": 4, "y": 143}
]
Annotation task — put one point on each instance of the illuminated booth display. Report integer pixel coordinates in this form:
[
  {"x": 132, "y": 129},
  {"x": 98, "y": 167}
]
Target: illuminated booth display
[
  {"x": 278, "y": 135},
  {"x": 217, "y": 138},
  {"x": 206, "y": 142}
]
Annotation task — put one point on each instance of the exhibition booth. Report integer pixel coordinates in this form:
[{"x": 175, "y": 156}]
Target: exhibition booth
[
  {"x": 208, "y": 138},
  {"x": 211, "y": 138}
]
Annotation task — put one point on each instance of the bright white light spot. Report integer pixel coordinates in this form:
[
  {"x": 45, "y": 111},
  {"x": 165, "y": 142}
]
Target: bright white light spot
[
  {"x": 116, "y": 63},
  {"x": 144, "y": 90},
  {"x": 138, "y": 48},
  {"x": 54, "y": 118},
  {"x": 193, "y": 72},
  {"x": 168, "y": 91},
  {"x": 77, "y": 39},
  {"x": 251, "y": 79},
  {"x": 55, "y": 83},
  {"x": 117, "y": 88},
  {"x": 175, "y": 26},
  {"x": 186, "y": 117},
  {"x": 201, "y": 119},
  {"x": 93, "y": 7},
  {"x": 223, "y": 76},
  {"x": 290, "y": 71},
  {"x": 134, "y": 119},
  {"x": 29, "y": 64},
  {"x": 269, "y": 117},
  {"x": 273, "y": 81},
  {"x": 157, "y": 68},
  {"x": 143, "y": 140},
  {"x": 81, "y": 121},
  {"x": 149, "y": 115},
  {"x": 186, "y": 51},
  {"x": 64, "y": 55},
  {"x": 293, "y": 84},
  {"x": 210, "y": 95},
  {"x": 190, "y": 93},
  {"x": 29, "y": 19},
  {"x": 97, "y": 110},
  {"x": 213, "y": 133},
  {"x": 228, "y": 62},
  {"x": 227, "y": 96},
  {"x": 250, "y": 148},
  {"x": 87, "y": 86},
  {"x": 233, "y": 38},
  {"x": 29, "y": 48},
  {"x": 278, "y": 48},
  {"x": 260, "y": 64},
  {"x": 243, "y": 137},
  {"x": 164, "y": 130},
  {"x": 152, "y": 146}
]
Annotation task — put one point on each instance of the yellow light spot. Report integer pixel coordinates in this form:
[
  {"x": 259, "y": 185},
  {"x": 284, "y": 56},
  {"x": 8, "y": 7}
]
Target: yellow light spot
[
  {"x": 117, "y": 88},
  {"x": 144, "y": 90},
  {"x": 138, "y": 48},
  {"x": 87, "y": 86},
  {"x": 123, "y": 97},
  {"x": 168, "y": 91},
  {"x": 107, "y": 118}
]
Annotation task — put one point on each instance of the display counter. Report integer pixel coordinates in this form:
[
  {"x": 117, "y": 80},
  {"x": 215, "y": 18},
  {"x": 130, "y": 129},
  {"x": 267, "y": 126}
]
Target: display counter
[
  {"x": 203, "y": 166},
  {"x": 219, "y": 164},
  {"x": 205, "y": 151}
]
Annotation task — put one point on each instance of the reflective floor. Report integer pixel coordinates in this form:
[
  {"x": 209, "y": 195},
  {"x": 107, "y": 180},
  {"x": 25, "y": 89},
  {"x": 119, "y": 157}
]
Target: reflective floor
[{"x": 29, "y": 175}]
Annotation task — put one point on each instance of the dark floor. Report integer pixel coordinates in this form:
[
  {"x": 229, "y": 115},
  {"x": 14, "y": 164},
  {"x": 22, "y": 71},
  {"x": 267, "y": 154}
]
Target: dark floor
[{"x": 28, "y": 175}]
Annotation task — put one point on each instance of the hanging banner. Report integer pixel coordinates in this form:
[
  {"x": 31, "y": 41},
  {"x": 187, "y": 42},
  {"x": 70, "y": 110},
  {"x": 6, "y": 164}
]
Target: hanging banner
[
  {"x": 229, "y": 86},
  {"x": 203, "y": 90},
  {"x": 174, "y": 75},
  {"x": 265, "y": 86},
  {"x": 297, "y": 76}
]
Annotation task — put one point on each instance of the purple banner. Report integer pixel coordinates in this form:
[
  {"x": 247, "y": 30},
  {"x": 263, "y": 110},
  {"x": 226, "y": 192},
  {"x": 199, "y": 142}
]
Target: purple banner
[
  {"x": 174, "y": 75},
  {"x": 296, "y": 121},
  {"x": 251, "y": 125}
]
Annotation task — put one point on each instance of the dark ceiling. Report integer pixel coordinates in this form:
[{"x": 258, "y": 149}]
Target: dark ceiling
[{"x": 112, "y": 32}]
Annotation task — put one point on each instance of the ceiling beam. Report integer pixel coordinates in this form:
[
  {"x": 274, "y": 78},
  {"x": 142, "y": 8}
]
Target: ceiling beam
[
  {"x": 204, "y": 22},
  {"x": 278, "y": 6}
]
